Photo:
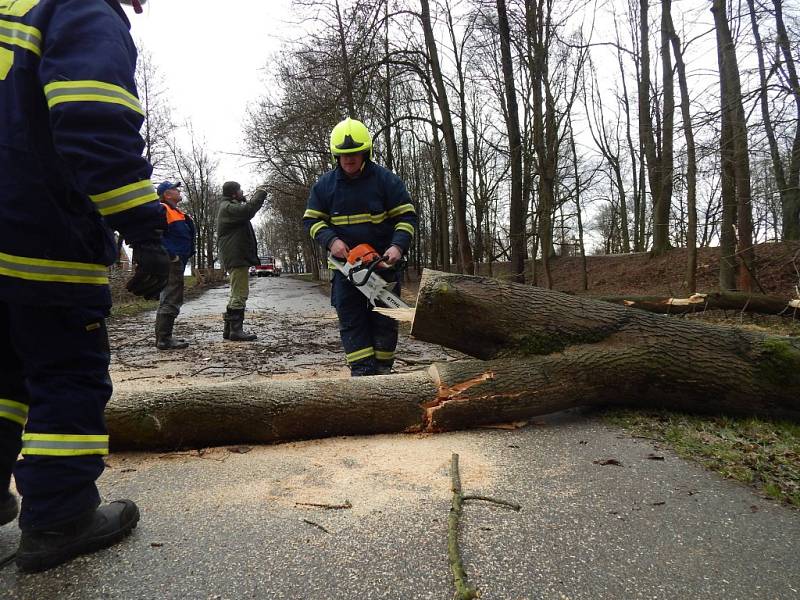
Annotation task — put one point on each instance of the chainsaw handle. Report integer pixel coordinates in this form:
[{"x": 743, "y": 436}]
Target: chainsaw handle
[{"x": 370, "y": 270}]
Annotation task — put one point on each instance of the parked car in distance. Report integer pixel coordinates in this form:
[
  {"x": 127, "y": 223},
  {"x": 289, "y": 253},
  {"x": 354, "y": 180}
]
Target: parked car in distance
[{"x": 267, "y": 268}]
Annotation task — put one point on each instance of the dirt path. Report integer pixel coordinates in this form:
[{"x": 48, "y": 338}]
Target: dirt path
[{"x": 298, "y": 337}]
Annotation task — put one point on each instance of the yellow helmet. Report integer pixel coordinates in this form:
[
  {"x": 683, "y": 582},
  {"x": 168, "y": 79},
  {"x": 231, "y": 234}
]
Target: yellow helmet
[{"x": 350, "y": 136}]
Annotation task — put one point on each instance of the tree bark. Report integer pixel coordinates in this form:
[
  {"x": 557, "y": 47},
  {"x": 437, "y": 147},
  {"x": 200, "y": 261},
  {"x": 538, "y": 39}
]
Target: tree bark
[{"x": 544, "y": 352}]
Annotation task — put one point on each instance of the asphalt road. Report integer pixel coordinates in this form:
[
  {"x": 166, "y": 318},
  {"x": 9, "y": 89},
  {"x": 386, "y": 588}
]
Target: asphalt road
[{"x": 231, "y": 523}]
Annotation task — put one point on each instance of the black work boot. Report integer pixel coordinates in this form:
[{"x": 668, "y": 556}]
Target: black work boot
[
  {"x": 8, "y": 508},
  {"x": 236, "y": 320},
  {"x": 164, "y": 339},
  {"x": 100, "y": 528},
  {"x": 226, "y": 330}
]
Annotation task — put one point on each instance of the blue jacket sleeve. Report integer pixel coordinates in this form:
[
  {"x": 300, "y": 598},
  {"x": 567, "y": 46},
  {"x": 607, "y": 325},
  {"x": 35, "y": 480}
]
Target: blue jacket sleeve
[
  {"x": 316, "y": 220},
  {"x": 401, "y": 212},
  {"x": 87, "y": 74}
]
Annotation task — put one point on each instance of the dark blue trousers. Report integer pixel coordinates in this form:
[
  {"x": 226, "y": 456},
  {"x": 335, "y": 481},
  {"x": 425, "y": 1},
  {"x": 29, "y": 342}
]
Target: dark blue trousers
[
  {"x": 369, "y": 339},
  {"x": 54, "y": 366}
]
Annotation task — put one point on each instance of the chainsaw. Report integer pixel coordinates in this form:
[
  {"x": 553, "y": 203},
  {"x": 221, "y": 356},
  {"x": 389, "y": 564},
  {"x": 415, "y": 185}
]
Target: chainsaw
[{"x": 359, "y": 269}]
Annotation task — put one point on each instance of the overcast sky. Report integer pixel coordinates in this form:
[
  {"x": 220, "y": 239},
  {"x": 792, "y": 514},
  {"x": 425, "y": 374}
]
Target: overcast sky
[{"x": 212, "y": 56}]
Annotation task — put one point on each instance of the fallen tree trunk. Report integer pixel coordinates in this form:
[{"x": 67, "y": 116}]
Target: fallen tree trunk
[
  {"x": 545, "y": 351},
  {"x": 751, "y": 303}
]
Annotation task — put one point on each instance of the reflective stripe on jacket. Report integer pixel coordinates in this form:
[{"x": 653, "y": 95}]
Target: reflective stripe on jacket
[
  {"x": 374, "y": 208},
  {"x": 71, "y": 166}
]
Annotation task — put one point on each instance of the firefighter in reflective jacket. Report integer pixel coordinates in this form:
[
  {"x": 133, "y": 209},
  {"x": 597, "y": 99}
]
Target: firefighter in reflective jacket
[
  {"x": 71, "y": 172},
  {"x": 361, "y": 202}
]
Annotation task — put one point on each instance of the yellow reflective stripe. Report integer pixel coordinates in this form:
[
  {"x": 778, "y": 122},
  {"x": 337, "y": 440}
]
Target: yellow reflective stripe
[
  {"x": 24, "y": 36},
  {"x": 53, "y": 444},
  {"x": 124, "y": 198},
  {"x": 315, "y": 228},
  {"x": 401, "y": 210},
  {"x": 13, "y": 411},
  {"x": 315, "y": 214},
  {"x": 383, "y": 355},
  {"x": 407, "y": 227},
  {"x": 90, "y": 91},
  {"x": 17, "y": 8},
  {"x": 6, "y": 62},
  {"x": 331, "y": 265},
  {"x": 359, "y": 354},
  {"x": 39, "y": 269},
  {"x": 357, "y": 219}
]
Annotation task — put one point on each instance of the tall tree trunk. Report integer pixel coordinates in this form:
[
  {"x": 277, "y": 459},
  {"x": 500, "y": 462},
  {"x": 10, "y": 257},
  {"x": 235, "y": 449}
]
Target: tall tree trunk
[
  {"x": 516, "y": 206},
  {"x": 727, "y": 233},
  {"x": 345, "y": 64},
  {"x": 456, "y": 186},
  {"x": 646, "y": 135},
  {"x": 691, "y": 162},
  {"x": 731, "y": 99},
  {"x": 790, "y": 198},
  {"x": 661, "y": 210},
  {"x": 545, "y": 139},
  {"x": 578, "y": 207},
  {"x": 638, "y": 196},
  {"x": 387, "y": 97},
  {"x": 440, "y": 190}
]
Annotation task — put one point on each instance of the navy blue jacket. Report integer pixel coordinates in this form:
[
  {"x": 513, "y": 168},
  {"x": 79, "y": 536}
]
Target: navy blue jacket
[
  {"x": 179, "y": 235},
  {"x": 71, "y": 166},
  {"x": 373, "y": 209}
]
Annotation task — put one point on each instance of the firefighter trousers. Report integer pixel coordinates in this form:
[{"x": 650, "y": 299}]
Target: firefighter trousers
[
  {"x": 54, "y": 386},
  {"x": 369, "y": 338}
]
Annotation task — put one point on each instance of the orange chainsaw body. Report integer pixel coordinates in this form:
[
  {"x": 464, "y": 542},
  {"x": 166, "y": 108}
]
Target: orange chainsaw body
[{"x": 364, "y": 253}]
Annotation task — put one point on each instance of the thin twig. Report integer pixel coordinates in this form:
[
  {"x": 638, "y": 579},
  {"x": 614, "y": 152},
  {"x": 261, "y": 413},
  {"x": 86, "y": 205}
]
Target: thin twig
[
  {"x": 511, "y": 505},
  {"x": 344, "y": 506},
  {"x": 317, "y": 525},
  {"x": 464, "y": 590}
]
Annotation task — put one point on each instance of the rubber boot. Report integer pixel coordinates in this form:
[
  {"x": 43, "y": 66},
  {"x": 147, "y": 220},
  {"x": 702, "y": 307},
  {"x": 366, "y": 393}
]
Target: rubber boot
[
  {"x": 236, "y": 320},
  {"x": 226, "y": 330},
  {"x": 97, "y": 529},
  {"x": 164, "y": 339},
  {"x": 8, "y": 508}
]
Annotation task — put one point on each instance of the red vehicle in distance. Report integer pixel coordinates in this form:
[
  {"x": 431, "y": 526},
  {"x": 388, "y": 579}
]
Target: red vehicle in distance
[{"x": 267, "y": 268}]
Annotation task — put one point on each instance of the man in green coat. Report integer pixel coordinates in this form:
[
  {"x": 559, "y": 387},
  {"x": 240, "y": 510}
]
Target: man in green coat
[{"x": 238, "y": 251}]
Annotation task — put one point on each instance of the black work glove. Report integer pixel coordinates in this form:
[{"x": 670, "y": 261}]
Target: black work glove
[{"x": 151, "y": 264}]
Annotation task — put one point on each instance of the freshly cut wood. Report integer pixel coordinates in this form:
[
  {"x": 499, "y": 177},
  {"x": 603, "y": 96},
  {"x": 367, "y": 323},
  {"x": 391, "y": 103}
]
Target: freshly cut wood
[
  {"x": 544, "y": 352},
  {"x": 752, "y": 303}
]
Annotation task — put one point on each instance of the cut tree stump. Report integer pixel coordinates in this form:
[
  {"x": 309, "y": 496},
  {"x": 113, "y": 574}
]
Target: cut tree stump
[{"x": 539, "y": 352}]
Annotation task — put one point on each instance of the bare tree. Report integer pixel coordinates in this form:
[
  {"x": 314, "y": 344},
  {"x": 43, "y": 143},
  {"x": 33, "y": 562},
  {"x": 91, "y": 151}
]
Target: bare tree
[
  {"x": 733, "y": 113},
  {"x": 516, "y": 207},
  {"x": 158, "y": 126},
  {"x": 457, "y": 187},
  {"x": 197, "y": 169}
]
